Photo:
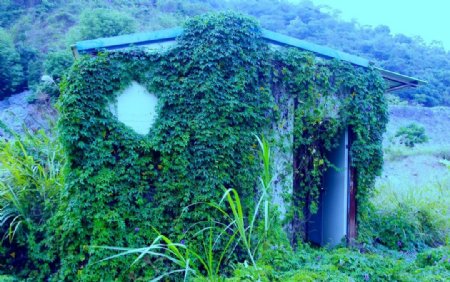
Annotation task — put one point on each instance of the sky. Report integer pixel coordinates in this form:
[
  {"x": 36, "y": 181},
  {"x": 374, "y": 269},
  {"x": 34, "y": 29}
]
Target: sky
[{"x": 429, "y": 19}]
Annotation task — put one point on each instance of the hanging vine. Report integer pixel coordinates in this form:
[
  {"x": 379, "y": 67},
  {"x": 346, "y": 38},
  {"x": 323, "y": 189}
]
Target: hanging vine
[{"x": 330, "y": 96}]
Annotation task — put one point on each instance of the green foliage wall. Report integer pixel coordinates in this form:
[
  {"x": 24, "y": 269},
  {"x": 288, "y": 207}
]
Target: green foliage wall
[
  {"x": 216, "y": 89},
  {"x": 213, "y": 95}
]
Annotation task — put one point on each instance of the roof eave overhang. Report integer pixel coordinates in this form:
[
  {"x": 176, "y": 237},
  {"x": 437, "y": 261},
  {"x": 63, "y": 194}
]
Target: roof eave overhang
[
  {"x": 399, "y": 81},
  {"x": 395, "y": 81},
  {"x": 128, "y": 40}
]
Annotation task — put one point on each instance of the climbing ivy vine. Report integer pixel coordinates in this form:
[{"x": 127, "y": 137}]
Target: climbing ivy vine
[
  {"x": 329, "y": 97},
  {"x": 213, "y": 96},
  {"x": 216, "y": 90}
]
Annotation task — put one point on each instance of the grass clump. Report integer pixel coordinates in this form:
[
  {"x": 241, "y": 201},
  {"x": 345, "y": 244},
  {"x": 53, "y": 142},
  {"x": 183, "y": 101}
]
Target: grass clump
[
  {"x": 408, "y": 217},
  {"x": 30, "y": 183}
]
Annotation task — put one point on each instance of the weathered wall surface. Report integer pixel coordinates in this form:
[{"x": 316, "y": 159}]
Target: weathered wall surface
[{"x": 281, "y": 148}]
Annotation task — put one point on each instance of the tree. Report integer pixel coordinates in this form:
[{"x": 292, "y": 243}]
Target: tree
[
  {"x": 411, "y": 134},
  {"x": 101, "y": 23},
  {"x": 57, "y": 63},
  {"x": 11, "y": 72}
]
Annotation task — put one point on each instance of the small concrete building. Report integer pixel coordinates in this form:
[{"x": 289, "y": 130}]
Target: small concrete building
[{"x": 336, "y": 216}]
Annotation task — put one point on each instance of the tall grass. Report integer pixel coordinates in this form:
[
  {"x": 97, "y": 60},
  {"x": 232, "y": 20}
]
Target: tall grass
[
  {"x": 409, "y": 216},
  {"x": 265, "y": 178},
  {"x": 162, "y": 247},
  {"x": 31, "y": 179},
  {"x": 395, "y": 152},
  {"x": 232, "y": 231}
]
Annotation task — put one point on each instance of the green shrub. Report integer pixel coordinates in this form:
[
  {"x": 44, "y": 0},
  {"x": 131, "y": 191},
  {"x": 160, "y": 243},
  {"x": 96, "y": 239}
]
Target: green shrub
[
  {"x": 55, "y": 67},
  {"x": 57, "y": 63},
  {"x": 29, "y": 196},
  {"x": 31, "y": 61},
  {"x": 11, "y": 72},
  {"x": 405, "y": 216},
  {"x": 403, "y": 227},
  {"x": 432, "y": 265},
  {"x": 101, "y": 23},
  {"x": 47, "y": 87},
  {"x": 411, "y": 134},
  {"x": 433, "y": 257}
]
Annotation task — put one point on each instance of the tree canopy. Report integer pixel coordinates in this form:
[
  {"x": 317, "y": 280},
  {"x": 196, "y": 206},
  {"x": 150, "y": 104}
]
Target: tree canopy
[{"x": 44, "y": 25}]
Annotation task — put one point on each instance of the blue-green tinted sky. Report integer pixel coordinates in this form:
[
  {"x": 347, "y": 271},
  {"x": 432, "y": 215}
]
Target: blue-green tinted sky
[{"x": 429, "y": 19}]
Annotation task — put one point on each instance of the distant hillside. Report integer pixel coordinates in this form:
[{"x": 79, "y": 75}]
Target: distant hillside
[
  {"x": 418, "y": 166},
  {"x": 43, "y": 30},
  {"x": 435, "y": 120}
]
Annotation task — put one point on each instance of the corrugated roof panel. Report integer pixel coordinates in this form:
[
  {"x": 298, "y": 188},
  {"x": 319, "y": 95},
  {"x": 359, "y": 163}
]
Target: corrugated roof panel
[
  {"x": 128, "y": 40},
  {"x": 395, "y": 81},
  {"x": 284, "y": 40}
]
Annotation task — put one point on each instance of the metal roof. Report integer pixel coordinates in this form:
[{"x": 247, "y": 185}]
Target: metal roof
[{"x": 395, "y": 81}]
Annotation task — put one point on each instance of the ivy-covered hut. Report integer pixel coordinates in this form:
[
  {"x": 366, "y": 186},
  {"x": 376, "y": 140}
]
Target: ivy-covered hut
[{"x": 155, "y": 122}]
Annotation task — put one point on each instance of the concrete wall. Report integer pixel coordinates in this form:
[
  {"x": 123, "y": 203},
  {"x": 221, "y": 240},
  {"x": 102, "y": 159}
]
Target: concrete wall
[
  {"x": 136, "y": 108},
  {"x": 281, "y": 149}
]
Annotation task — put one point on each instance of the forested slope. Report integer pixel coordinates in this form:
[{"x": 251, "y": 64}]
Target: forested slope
[{"x": 36, "y": 35}]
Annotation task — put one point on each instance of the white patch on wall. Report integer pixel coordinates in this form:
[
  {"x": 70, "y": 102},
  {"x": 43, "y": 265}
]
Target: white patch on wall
[{"x": 136, "y": 108}]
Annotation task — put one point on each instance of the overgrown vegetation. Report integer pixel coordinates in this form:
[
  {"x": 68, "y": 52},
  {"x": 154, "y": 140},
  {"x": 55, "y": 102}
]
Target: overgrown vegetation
[
  {"x": 328, "y": 98},
  {"x": 30, "y": 187},
  {"x": 400, "y": 230},
  {"x": 162, "y": 190},
  {"x": 11, "y": 73},
  {"x": 201, "y": 142},
  {"x": 408, "y": 216},
  {"x": 343, "y": 264}
]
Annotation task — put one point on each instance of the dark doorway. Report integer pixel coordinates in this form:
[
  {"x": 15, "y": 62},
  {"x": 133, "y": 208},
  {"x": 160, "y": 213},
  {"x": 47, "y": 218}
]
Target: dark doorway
[{"x": 329, "y": 226}]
